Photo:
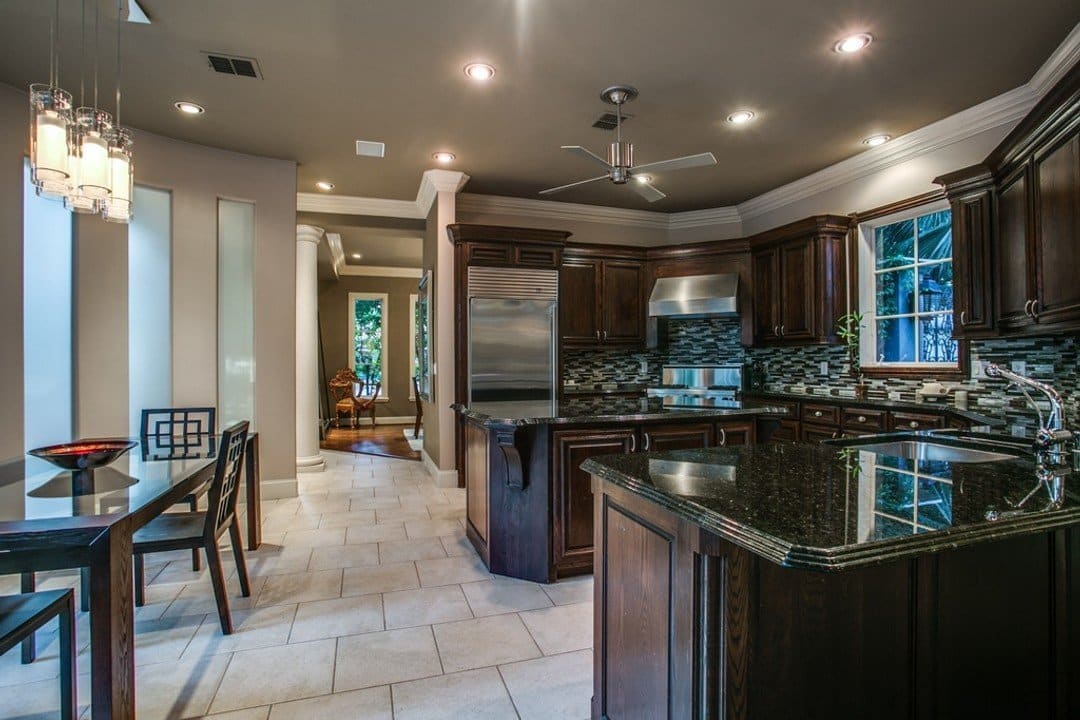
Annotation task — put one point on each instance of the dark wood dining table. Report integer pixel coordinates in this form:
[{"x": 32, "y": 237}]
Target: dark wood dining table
[{"x": 45, "y": 524}]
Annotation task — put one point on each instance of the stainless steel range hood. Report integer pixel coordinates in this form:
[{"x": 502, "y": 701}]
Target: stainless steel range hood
[{"x": 695, "y": 296}]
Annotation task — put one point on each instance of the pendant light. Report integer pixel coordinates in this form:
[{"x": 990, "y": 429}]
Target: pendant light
[
  {"x": 94, "y": 125},
  {"x": 50, "y": 119},
  {"x": 118, "y": 206},
  {"x": 76, "y": 201}
]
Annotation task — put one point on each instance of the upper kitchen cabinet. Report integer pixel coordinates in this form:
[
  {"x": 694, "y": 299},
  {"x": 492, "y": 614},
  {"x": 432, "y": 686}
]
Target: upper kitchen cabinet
[
  {"x": 799, "y": 284},
  {"x": 1016, "y": 226},
  {"x": 499, "y": 246},
  {"x": 601, "y": 297}
]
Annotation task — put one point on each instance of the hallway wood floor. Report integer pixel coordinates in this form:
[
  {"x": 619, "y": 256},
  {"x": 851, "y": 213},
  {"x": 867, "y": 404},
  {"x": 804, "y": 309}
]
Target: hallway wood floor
[{"x": 384, "y": 440}]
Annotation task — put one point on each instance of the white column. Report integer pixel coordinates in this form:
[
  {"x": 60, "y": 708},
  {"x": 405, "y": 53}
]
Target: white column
[{"x": 308, "y": 458}]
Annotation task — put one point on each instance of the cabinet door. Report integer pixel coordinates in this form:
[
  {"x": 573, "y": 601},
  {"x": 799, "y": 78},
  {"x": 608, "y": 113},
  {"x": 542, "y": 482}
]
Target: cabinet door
[
  {"x": 622, "y": 303},
  {"x": 657, "y": 438},
  {"x": 788, "y": 431},
  {"x": 1014, "y": 286},
  {"x": 814, "y": 433},
  {"x": 579, "y": 307},
  {"x": 572, "y": 497},
  {"x": 1057, "y": 233},
  {"x": 797, "y": 290},
  {"x": 735, "y": 433},
  {"x": 766, "y": 273},
  {"x": 972, "y": 287}
]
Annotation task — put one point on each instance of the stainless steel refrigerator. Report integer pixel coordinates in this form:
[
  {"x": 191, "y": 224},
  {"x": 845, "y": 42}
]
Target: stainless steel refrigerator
[{"x": 513, "y": 314}]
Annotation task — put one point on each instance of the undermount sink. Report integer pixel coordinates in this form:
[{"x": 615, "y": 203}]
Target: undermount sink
[{"x": 921, "y": 450}]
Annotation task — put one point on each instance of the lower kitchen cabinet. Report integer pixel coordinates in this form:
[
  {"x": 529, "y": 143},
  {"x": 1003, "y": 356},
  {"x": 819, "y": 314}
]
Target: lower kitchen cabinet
[
  {"x": 735, "y": 433},
  {"x": 658, "y": 438},
  {"x": 815, "y": 433},
  {"x": 572, "y": 498}
]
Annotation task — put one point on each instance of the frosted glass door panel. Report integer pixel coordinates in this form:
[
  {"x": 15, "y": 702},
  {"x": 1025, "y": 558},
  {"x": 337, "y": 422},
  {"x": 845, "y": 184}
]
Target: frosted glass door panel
[
  {"x": 149, "y": 309},
  {"x": 236, "y": 312},
  {"x": 47, "y": 370}
]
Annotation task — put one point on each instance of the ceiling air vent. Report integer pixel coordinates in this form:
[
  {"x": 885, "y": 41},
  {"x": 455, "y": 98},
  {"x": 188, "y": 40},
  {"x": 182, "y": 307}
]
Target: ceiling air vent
[
  {"x": 607, "y": 121},
  {"x": 370, "y": 148},
  {"x": 233, "y": 65}
]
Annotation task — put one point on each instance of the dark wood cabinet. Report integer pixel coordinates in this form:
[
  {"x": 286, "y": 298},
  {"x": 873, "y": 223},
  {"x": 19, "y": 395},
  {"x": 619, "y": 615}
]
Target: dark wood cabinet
[
  {"x": 915, "y": 421},
  {"x": 735, "y": 432},
  {"x": 800, "y": 289},
  {"x": 970, "y": 193},
  {"x": 1057, "y": 233},
  {"x": 658, "y": 438},
  {"x": 601, "y": 301},
  {"x": 785, "y": 431},
  {"x": 572, "y": 499},
  {"x": 816, "y": 433},
  {"x": 1016, "y": 292}
]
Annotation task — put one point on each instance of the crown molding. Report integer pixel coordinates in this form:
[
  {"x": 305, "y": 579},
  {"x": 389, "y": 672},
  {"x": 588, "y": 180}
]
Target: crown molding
[
  {"x": 434, "y": 182},
  {"x": 1060, "y": 62},
  {"x": 352, "y": 205},
  {"x": 380, "y": 271},
  {"x": 554, "y": 210}
]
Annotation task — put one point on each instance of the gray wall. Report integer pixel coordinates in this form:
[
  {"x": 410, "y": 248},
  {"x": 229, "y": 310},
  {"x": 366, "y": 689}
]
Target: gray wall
[
  {"x": 334, "y": 325},
  {"x": 197, "y": 176}
]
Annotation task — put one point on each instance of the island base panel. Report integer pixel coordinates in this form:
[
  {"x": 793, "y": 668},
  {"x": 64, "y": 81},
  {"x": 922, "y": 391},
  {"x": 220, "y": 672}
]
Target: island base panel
[{"x": 688, "y": 625}]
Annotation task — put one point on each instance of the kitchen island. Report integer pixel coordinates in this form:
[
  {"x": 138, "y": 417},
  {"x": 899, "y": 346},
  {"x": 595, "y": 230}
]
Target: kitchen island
[
  {"x": 825, "y": 581},
  {"x": 529, "y": 506}
]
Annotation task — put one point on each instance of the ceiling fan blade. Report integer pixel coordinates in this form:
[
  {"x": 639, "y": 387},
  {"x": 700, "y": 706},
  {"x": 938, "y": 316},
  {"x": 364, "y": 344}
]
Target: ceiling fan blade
[
  {"x": 571, "y": 185},
  {"x": 675, "y": 164},
  {"x": 587, "y": 154},
  {"x": 647, "y": 191}
]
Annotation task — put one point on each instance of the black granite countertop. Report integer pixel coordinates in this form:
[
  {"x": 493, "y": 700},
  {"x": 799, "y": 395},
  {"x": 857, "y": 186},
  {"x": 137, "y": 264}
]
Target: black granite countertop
[
  {"x": 599, "y": 409},
  {"x": 828, "y": 507},
  {"x": 882, "y": 404},
  {"x": 604, "y": 388}
]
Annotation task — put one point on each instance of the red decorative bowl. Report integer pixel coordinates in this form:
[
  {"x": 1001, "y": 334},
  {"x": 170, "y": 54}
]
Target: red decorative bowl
[{"x": 85, "y": 454}]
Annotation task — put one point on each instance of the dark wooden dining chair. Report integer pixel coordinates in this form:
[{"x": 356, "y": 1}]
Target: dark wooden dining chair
[
  {"x": 180, "y": 429},
  {"x": 201, "y": 530},
  {"x": 22, "y": 615},
  {"x": 419, "y": 407},
  {"x": 366, "y": 403}
]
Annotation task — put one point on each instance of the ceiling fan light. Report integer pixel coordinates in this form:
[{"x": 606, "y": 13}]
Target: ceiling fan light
[
  {"x": 853, "y": 43},
  {"x": 643, "y": 179}
]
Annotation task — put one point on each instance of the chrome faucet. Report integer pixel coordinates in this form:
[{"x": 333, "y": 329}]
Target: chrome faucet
[{"x": 1052, "y": 438}]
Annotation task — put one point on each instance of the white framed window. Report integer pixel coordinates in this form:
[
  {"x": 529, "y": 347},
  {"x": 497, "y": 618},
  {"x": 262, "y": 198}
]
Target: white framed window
[
  {"x": 906, "y": 290},
  {"x": 414, "y": 364},
  {"x": 369, "y": 324}
]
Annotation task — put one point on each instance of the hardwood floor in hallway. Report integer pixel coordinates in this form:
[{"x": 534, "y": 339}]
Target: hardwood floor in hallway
[{"x": 384, "y": 440}]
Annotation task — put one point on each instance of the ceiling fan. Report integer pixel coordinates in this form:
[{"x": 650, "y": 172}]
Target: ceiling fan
[{"x": 620, "y": 163}]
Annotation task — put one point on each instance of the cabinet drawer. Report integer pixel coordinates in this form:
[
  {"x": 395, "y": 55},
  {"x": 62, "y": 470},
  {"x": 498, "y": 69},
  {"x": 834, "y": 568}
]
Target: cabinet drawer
[
  {"x": 811, "y": 433},
  {"x": 536, "y": 256},
  {"x": 863, "y": 420},
  {"x": 820, "y": 414},
  {"x": 916, "y": 421},
  {"x": 490, "y": 253}
]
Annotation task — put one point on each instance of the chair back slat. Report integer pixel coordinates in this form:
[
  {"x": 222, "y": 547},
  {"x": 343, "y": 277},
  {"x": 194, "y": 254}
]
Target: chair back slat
[
  {"x": 223, "y": 493},
  {"x": 178, "y": 422}
]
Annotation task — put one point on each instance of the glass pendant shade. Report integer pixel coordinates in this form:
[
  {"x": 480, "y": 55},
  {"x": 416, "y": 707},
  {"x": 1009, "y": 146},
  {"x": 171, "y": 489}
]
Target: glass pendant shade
[
  {"x": 75, "y": 201},
  {"x": 117, "y": 207},
  {"x": 93, "y": 150},
  {"x": 50, "y": 116}
]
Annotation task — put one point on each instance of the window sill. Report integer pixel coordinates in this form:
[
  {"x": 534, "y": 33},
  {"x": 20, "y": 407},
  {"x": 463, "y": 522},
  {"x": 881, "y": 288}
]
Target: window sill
[{"x": 908, "y": 372}]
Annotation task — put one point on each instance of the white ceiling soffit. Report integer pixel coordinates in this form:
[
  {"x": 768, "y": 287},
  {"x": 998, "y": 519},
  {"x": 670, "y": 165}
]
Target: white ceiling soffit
[
  {"x": 337, "y": 254},
  {"x": 1004, "y": 109},
  {"x": 380, "y": 271},
  {"x": 431, "y": 183}
]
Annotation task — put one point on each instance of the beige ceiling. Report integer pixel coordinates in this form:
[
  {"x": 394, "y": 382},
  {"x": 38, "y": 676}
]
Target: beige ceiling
[
  {"x": 391, "y": 70},
  {"x": 382, "y": 242}
]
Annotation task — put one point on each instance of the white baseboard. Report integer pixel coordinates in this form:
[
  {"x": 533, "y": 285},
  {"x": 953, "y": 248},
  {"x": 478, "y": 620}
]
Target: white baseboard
[
  {"x": 442, "y": 478},
  {"x": 277, "y": 489}
]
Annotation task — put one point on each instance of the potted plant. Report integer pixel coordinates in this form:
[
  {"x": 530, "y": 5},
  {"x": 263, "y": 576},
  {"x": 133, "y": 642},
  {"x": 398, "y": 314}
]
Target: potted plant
[{"x": 849, "y": 328}]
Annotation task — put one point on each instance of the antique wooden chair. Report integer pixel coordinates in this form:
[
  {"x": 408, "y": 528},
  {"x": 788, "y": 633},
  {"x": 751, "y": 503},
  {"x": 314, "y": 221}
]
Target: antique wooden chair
[
  {"x": 419, "y": 408},
  {"x": 350, "y": 402},
  {"x": 20, "y": 618},
  {"x": 195, "y": 530}
]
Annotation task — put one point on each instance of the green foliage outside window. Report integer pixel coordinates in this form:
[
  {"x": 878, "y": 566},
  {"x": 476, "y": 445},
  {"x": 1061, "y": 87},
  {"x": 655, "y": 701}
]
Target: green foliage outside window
[{"x": 368, "y": 340}]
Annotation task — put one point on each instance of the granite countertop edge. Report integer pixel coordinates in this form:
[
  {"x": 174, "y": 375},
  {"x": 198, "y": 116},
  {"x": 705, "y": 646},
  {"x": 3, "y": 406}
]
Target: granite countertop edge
[
  {"x": 492, "y": 421},
  {"x": 839, "y": 558}
]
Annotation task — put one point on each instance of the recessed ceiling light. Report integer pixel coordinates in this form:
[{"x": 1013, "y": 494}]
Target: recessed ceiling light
[
  {"x": 875, "y": 140},
  {"x": 189, "y": 108},
  {"x": 444, "y": 157},
  {"x": 853, "y": 43},
  {"x": 356, "y": 256},
  {"x": 643, "y": 179},
  {"x": 325, "y": 186},
  {"x": 480, "y": 71},
  {"x": 740, "y": 117}
]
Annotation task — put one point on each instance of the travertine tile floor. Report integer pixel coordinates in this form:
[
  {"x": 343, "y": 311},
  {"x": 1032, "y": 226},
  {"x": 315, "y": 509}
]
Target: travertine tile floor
[{"x": 367, "y": 602}]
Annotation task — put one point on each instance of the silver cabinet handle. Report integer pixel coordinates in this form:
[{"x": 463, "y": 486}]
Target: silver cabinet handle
[
  {"x": 817, "y": 413},
  {"x": 782, "y": 333},
  {"x": 604, "y": 333},
  {"x": 963, "y": 317},
  {"x": 633, "y": 443},
  {"x": 1027, "y": 308},
  {"x": 1035, "y": 309},
  {"x": 723, "y": 436},
  {"x": 597, "y": 336},
  {"x": 836, "y": 434},
  {"x": 862, "y": 418},
  {"x": 914, "y": 424},
  {"x": 776, "y": 330},
  {"x": 646, "y": 442}
]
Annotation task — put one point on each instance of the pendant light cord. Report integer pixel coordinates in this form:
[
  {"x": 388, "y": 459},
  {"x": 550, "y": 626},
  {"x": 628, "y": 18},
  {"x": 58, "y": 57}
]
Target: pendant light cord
[
  {"x": 54, "y": 31},
  {"x": 82, "y": 59},
  {"x": 119, "y": 20},
  {"x": 97, "y": 15}
]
